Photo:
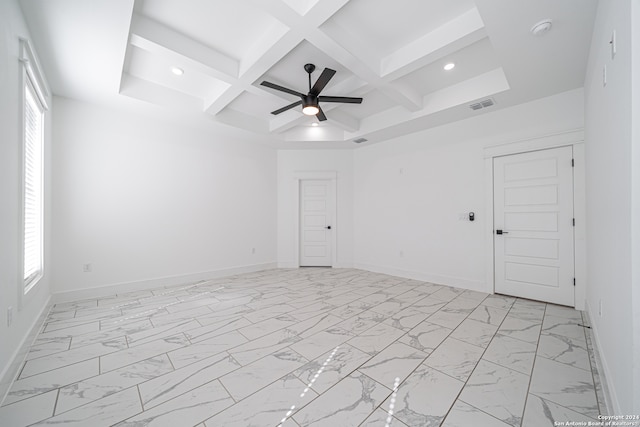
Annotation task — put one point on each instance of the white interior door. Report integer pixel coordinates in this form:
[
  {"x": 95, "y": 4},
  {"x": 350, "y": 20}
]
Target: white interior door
[
  {"x": 315, "y": 223},
  {"x": 533, "y": 225}
]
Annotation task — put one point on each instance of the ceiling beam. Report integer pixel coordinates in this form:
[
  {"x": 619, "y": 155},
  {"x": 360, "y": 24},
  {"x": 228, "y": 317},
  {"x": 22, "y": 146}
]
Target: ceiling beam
[
  {"x": 287, "y": 120},
  {"x": 351, "y": 85},
  {"x": 218, "y": 102},
  {"x": 240, "y": 120},
  {"x": 450, "y": 37},
  {"x": 307, "y": 28},
  {"x": 478, "y": 87},
  {"x": 156, "y": 94},
  {"x": 343, "y": 120},
  {"x": 157, "y": 38},
  {"x": 362, "y": 69},
  {"x": 270, "y": 49},
  {"x": 379, "y": 73},
  {"x": 311, "y": 22}
]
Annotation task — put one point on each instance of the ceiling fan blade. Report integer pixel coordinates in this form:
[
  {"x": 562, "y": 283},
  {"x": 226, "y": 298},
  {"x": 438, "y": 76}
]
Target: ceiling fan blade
[
  {"x": 288, "y": 107},
  {"x": 345, "y": 99},
  {"x": 321, "y": 117},
  {"x": 281, "y": 88},
  {"x": 322, "y": 81}
]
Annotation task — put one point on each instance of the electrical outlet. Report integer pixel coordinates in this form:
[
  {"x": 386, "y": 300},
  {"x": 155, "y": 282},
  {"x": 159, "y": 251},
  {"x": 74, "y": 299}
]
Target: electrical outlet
[
  {"x": 253, "y": 250},
  {"x": 401, "y": 254},
  {"x": 9, "y": 316},
  {"x": 87, "y": 268}
]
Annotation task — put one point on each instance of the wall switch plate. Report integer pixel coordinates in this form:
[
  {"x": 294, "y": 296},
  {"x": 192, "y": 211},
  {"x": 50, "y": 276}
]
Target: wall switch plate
[
  {"x": 604, "y": 75},
  {"x": 9, "y": 316},
  {"x": 600, "y": 308}
]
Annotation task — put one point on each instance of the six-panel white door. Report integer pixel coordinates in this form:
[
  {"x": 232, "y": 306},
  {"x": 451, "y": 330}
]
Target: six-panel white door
[
  {"x": 533, "y": 225},
  {"x": 315, "y": 223}
]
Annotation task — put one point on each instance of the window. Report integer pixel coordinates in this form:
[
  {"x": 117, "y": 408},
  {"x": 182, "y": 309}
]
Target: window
[
  {"x": 34, "y": 107},
  {"x": 33, "y": 168}
]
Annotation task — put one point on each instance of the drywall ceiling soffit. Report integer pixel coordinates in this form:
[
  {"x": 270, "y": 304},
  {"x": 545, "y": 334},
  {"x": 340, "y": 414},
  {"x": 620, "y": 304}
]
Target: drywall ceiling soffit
[{"x": 390, "y": 53}]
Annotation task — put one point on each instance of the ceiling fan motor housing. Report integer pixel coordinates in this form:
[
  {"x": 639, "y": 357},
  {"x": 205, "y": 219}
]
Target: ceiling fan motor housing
[{"x": 310, "y": 99}]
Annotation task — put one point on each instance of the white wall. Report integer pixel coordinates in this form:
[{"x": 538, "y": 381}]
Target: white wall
[
  {"x": 148, "y": 202},
  {"x": 610, "y": 195},
  {"x": 12, "y": 26},
  {"x": 410, "y": 192},
  {"x": 292, "y": 161}
]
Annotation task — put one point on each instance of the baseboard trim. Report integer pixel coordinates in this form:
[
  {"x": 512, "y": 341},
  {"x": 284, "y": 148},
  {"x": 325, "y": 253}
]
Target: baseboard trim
[
  {"x": 12, "y": 369},
  {"x": 291, "y": 264},
  {"x": 458, "y": 282},
  {"x": 609, "y": 392},
  {"x": 288, "y": 264},
  {"x": 343, "y": 265},
  {"x": 117, "y": 288}
]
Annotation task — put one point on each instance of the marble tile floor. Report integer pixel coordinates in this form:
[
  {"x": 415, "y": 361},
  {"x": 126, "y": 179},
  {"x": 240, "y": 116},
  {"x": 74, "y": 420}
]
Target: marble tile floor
[{"x": 307, "y": 347}]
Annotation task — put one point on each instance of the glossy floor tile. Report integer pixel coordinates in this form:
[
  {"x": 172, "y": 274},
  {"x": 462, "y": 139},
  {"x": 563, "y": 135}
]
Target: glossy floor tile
[{"x": 307, "y": 347}]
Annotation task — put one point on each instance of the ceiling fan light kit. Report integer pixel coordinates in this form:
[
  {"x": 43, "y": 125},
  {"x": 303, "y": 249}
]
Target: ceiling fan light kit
[
  {"x": 310, "y": 110},
  {"x": 310, "y": 106},
  {"x": 311, "y": 101}
]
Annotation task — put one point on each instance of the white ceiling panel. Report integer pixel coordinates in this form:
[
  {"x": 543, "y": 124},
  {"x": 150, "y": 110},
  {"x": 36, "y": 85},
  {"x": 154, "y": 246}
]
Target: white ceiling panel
[
  {"x": 289, "y": 72},
  {"x": 230, "y": 27},
  {"x": 81, "y": 44},
  {"x": 374, "y": 102},
  {"x": 158, "y": 69},
  {"x": 386, "y": 26},
  {"x": 256, "y": 105},
  {"x": 471, "y": 61}
]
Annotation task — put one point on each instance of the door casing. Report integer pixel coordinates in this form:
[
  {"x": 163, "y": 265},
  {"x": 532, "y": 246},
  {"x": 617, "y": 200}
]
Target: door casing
[
  {"x": 322, "y": 233},
  {"x": 331, "y": 176},
  {"x": 573, "y": 138},
  {"x": 533, "y": 273}
]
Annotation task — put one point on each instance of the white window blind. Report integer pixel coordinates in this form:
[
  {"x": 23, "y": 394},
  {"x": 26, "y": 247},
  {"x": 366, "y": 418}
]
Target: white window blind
[{"x": 33, "y": 174}]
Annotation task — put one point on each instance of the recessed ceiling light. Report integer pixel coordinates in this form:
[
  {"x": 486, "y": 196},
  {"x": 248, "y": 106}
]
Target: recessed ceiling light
[
  {"x": 314, "y": 124},
  {"x": 450, "y": 66},
  {"x": 177, "y": 71}
]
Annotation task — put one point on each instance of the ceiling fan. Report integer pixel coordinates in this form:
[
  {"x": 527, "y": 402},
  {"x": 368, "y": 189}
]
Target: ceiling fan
[{"x": 311, "y": 101}]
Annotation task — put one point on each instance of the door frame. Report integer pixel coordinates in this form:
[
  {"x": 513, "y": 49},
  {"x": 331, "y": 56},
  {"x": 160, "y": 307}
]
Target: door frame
[
  {"x": 331, "y": 176},
  {"x": 574, "y": 138}
]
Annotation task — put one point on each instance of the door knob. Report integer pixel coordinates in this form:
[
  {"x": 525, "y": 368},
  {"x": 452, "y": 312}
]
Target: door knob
[
  {"x": 328, "y": 227},
  {"x": 501, "y": 232}
]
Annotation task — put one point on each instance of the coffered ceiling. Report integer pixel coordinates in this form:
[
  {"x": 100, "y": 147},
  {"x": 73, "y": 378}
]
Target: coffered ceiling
[{"x": 391, "y": 53}]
